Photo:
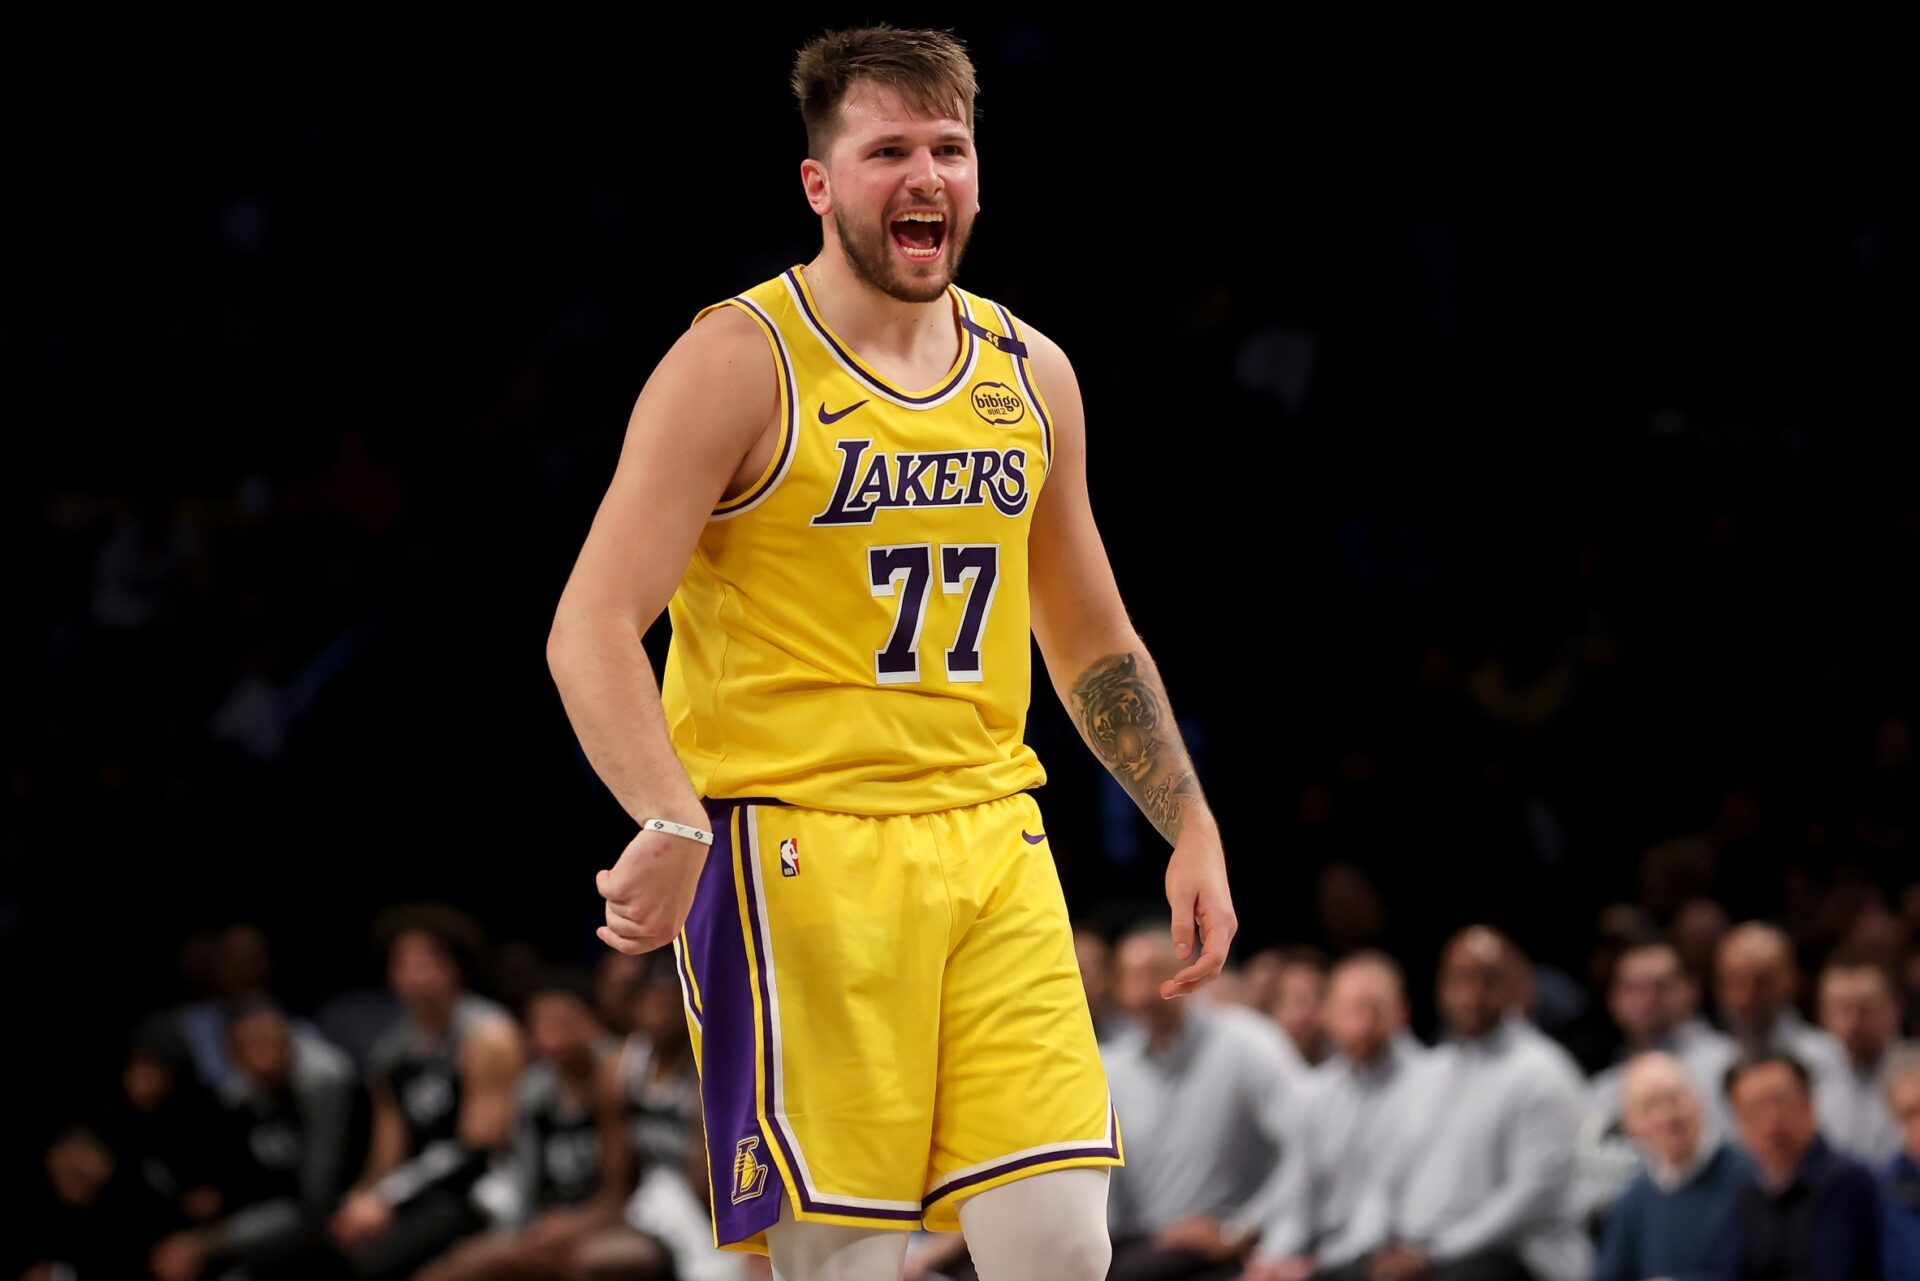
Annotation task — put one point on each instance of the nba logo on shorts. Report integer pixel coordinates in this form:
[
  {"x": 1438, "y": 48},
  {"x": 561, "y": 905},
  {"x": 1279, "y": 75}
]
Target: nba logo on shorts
[{"x": 789, "y": 857}]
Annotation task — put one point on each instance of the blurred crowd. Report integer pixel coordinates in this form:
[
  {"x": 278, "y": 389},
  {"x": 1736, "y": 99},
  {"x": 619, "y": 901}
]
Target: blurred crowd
[{"x": 486, "y": 1114}]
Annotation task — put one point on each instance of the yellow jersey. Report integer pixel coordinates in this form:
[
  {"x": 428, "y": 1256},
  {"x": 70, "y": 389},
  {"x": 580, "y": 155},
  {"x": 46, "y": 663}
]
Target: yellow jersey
[{"x": 852, "y": 631}]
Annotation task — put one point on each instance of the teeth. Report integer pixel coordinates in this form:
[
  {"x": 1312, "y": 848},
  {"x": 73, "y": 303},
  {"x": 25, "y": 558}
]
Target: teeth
[{"x": 917, "y": 216}]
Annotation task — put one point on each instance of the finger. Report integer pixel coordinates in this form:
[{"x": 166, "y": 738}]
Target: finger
[
  {"x": 617, "y": 943},
  {"x": 1211, "y": 961},
  {"x": 1182, "y": 926}
]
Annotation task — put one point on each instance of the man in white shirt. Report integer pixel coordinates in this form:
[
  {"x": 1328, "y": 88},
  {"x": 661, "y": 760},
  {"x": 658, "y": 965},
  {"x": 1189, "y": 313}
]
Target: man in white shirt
[
  {"x": 1202, "y": 1098},
  {"x": 1345, "y": 1123},
  {"x": 1652, "y": 1002},
  {"x": 1755, "y": 980},
  {"x": 1478, "y": 1186},
  {"x": 1858, "y": 1009}
]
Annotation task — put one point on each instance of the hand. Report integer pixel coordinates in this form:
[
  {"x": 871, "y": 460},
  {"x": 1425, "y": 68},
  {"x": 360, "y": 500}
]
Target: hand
[
  {"x": 1197, "y": 1233},
  {"x": 1265, "y": 1268},
  {"x": 178, "y": 1257},
  {"x": 1397, "y": 1263},
  {"x": 361, "y": 1215},
  {"x": 1197, "y": 892},
  {"x": 649, "y": 891}
]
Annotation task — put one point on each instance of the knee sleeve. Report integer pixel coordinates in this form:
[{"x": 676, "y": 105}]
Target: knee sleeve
[
  {"x": 832, "y": 1251},
  {"x": 1047, "y": 1227}
]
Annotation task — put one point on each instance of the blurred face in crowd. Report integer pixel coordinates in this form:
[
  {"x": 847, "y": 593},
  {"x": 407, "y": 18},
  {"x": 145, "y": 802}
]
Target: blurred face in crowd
[
  {"x": 1660, "y": 1109},
  {"x": 1091, "y": 951},
  {"x": 1641, "y": 997},
  {"x": 1857, "y": 1007},
  {"x": 658, "y": 1012},
  {"x": 1775, "y": 1114},
  {"x": 261, "y": 1046},
  {"x": 421, "y": 972},
  {"x": 1476, "y": 982},
  {"x": 147, "y": 1080},
  {"x": 561, "y": 1027},
  {"x": 1903, "y": 1100},
  {"x": 1753, "y": 978},
  {"x": 1296, "y": 1005},
  {"x": 1142, "y": 962},
  {"x": 616, "y": 980},
  {"x": 1365, "y": 1009}
]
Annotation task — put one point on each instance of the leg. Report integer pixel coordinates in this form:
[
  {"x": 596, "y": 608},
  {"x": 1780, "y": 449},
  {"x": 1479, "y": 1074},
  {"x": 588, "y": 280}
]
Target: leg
[
  {"x": 1051, "y": 1227},
  {"x": 1022, "y": 1090},
  {"x": 832, "y": 1251}
]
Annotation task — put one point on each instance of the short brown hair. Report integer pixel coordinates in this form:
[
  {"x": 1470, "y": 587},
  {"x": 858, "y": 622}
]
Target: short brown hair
[{"x": 929, "y": 69}]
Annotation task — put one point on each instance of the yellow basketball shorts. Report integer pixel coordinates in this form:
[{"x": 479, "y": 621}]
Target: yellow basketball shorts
[{"x": 887, "y": 1015}]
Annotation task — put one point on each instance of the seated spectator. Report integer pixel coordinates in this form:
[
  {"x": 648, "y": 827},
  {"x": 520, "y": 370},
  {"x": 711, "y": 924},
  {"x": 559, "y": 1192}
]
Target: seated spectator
[
  {"x": 1755, "y": 981},
  {"x": 289, "y": 1102},
  {"x": 1676, "y": 1218},
  {"x": 1652, "y": 1001},
  {"x": 1810, "y": 1212},
  {"x": 1479, "y": 1183},
  {"x": 1343, "y": 1123},
  {"x": 442, "y": 1081},
  {"x": 1900, "y": 1188},
  {"x": 1201, "y": 1096},
  {"x": 572, "y": 1167},
  {"x": 1858, "y": 1009}
]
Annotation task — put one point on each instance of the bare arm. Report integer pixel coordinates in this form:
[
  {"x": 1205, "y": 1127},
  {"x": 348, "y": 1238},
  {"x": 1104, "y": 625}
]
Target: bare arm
[
  {"x": 1109, "y": 683},
  {"x": 707, "y": 403},
  {"x": 490, "y": 1063}
]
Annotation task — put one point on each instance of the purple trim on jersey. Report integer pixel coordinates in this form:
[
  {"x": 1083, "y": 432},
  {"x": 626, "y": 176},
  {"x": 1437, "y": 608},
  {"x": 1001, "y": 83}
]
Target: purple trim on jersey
[
  {"x": 718, "y": 957},
  {"x": 853, "y": 363},
  {"x": 1038, "y": 1158},
  {"x": 1020, "y": 363},
  {"x": 819, "y": 1205},
  {"x": 793, "y": 418}
]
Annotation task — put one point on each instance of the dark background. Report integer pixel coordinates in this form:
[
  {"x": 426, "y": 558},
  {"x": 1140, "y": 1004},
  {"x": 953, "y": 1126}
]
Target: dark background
[{"x": 1501, "y": 446}]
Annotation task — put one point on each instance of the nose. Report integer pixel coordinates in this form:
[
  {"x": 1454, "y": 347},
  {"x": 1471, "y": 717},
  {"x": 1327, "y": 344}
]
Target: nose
[{"x": 923, "y": 175}]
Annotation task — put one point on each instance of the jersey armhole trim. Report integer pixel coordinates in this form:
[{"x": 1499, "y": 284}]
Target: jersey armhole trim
[
  {"x": 782, "y": 460},
  {"x": 1031, "y": 386}
]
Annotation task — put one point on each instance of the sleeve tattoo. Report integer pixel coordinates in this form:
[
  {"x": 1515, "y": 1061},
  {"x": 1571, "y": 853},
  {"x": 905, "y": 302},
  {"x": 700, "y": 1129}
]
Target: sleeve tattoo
[{"x": 1123, "y": 713}]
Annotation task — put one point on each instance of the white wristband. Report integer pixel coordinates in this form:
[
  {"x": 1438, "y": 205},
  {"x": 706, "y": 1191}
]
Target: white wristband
[{"x": 678, "y": 829}]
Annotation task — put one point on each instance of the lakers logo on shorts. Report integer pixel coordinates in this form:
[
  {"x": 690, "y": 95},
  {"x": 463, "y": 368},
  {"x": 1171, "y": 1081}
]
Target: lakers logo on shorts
[
  {"x": 749, "y": 1175},
  {"x": 790, "y": 857}
]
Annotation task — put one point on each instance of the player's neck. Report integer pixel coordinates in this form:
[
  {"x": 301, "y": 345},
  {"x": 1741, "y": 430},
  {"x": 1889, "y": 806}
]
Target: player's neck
[{"x": 876, "y": 324}]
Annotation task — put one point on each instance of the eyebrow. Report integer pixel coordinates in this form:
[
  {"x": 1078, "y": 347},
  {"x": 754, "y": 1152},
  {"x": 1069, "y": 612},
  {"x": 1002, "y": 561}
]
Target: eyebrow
[{"x": 952, "y": 135}]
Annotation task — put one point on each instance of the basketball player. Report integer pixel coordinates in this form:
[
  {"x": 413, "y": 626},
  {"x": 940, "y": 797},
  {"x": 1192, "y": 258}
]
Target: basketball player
[{"x": 858, "y": 489}]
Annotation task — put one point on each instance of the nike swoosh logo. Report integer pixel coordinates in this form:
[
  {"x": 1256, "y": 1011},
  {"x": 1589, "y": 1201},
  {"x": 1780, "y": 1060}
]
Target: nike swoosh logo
[
  {"x": 1033, "y": 840},
  {"x": 826, "y": 417}
]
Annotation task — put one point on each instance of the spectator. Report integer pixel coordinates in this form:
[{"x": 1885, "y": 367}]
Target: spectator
[
  {"x": 289, "y": 1103},
  {"x": 1480, "y": 1182},
  {"x": 1096, "y": 970},
  {"x": 1201, "y": 1096},
  {"x": 571, "y": 1165},
  {"x": 1345, "y": 1122},
  {"x": 1676, "y": 1218},
  {"x": 1652, "y": 1000},
  {"x": 442, "y": 1080},
  {"x": 1755, "y": 982},
  {"x": 1811, "y": 1212},
  {"x": 1900, "y": 1189},
  {"x": 1859, "y": 1010},
  {"x": 1299, "y": 989}
]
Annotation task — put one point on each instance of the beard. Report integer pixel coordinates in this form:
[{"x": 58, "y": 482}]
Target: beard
[{"x": 875, "y": 260}]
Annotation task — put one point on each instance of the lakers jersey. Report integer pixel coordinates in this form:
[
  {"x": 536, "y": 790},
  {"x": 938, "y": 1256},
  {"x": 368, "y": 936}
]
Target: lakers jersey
[{"x": 852, "y": 631}]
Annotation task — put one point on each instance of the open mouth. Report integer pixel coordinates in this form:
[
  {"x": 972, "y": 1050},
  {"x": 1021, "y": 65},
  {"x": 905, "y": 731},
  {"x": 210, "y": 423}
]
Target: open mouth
[{"x": 919, "y": 236}]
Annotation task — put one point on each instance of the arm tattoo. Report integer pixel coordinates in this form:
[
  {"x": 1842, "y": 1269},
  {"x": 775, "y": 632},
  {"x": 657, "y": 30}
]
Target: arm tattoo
[{"x": 1123, "y": 713}]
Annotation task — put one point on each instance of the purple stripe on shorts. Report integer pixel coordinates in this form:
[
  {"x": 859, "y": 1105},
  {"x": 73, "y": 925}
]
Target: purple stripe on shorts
[
  {"x": 718, "y": 957},
  {"x": 1038, "y": 1158}
]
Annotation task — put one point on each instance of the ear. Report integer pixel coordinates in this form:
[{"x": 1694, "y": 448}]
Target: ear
[{"x": 817, "y": 185}]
